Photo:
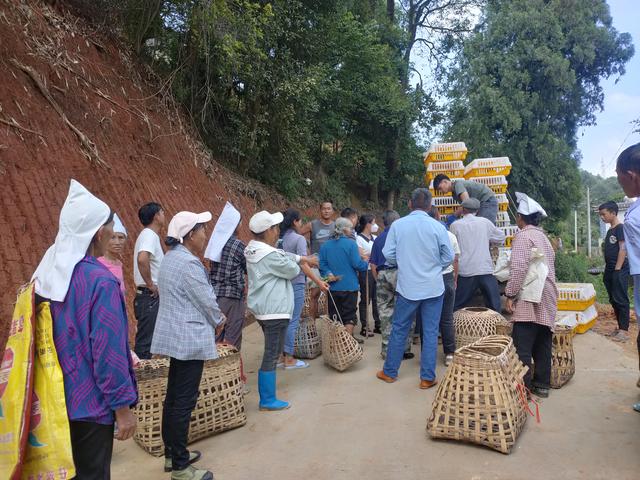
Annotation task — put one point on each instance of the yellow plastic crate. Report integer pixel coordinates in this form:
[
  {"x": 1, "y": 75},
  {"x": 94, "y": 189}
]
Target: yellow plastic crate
[
  {"x": 568, "y": 319},
  {"x": 496, "y": 183},
  {"x": 503, "y": 202},
  {"x": 488, "y": 167},
  {"x": 509, "y": 232},
  {"x": 503, "y": 219},
  {"x": 446, "y": 205},
  {"x": 584, "y": 319},
  {"x": 454, "y": 168},
  {"x": 439, "y": 152},
  {"x": 576, "y": 296},
  {"x": 437, "y": 193}
]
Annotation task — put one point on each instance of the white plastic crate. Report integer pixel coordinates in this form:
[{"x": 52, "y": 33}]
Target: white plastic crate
[
  {"x": 584, "y": 319},
  {"x": 497, "y": 183},
  {"x": 503, "y": 202},
  {"x": 568, "y": 319},
  {"x": 486, "y": 167},
  {"x": 446, "y": 205},
  {"x": 576, "y": 296},
  {"x": 503, "y": 219},
  {"x": 446, "y": 151},
  {"x": 454, "y": 168},
  {"x": 509, "y": 230}
]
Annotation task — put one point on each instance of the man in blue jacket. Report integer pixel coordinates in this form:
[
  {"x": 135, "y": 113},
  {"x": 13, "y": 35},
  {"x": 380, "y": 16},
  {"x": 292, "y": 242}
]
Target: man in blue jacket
[{"x": 420, "y": 247}]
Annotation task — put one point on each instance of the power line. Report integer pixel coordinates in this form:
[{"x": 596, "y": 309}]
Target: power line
[{"x": 615, "y": 155}]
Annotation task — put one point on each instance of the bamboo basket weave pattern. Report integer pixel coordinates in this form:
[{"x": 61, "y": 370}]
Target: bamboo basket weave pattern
[
  {"x": 307, "y": 340},
  {"x": 339, "y": 349},
  {"x": 479, "y": 399},
  {"x": 563, "y": 364},
  {"x": 323, "y": 306},
  {"x": 473, "y": 323},
  {"x": 220, "y": 403}
]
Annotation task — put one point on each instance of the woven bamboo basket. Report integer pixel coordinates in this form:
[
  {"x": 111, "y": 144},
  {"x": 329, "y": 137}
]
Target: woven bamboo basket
[
  {"x": 563, "y": 364},
  {"x": 481, "y": 398},
  {"x": 220, "y": 404},
  {"x": 323, "y": 306},
  {"x": 339, "y": 349},
  {"x": 307, "y": 341},
  {"x": 473, "y": 323},
  {"x": 504, "y": 328}
]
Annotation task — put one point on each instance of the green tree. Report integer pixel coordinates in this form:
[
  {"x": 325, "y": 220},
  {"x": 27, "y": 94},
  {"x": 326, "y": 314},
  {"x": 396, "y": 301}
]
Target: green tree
[{"x": 526, "y": 80}]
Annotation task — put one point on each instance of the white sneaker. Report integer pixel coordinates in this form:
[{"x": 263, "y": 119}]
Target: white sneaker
[{"x": 448, "y": 359}]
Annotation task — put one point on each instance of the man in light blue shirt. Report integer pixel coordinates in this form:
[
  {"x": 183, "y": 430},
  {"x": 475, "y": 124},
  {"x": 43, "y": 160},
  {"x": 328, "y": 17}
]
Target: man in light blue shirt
[
  {"x": 420, "y": 247},
  {"x": 628, "y": 170}
]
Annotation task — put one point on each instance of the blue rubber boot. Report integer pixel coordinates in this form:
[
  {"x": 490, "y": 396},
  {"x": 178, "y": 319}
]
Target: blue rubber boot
[{"x": 267, "y": 391}]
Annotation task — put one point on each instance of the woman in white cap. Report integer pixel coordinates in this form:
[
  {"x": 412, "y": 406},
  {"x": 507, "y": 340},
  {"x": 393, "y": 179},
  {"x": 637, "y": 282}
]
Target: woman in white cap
[
  {"x": 89, "y": 331},
  {"x": 112, "y": 256},
  {"x": 185, "y": 332},
  {"x": 533, "y": 321},
  {"x": 270, "y": 297}
]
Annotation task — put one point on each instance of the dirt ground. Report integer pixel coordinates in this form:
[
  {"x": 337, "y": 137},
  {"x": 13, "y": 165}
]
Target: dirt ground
[{"x": 351, "y": 425}]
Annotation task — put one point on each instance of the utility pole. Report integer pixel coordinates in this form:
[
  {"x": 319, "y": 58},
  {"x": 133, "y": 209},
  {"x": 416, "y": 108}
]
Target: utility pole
[
  {"x": 588, "y": 224},
  {"x": 575, "y": 230}
]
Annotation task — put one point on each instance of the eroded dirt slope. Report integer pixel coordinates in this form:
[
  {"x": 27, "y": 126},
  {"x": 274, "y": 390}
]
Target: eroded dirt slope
[{"x": 75, "y": 104}]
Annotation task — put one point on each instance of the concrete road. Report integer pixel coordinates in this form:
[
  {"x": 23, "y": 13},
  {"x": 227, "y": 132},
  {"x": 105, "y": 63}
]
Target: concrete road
[{"x": 352, "y": 426}]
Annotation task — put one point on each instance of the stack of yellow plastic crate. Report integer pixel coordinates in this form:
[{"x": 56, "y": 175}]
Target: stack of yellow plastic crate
[
  {"x": 576, "y": 306},
  {"x": 447, "y": 158}
]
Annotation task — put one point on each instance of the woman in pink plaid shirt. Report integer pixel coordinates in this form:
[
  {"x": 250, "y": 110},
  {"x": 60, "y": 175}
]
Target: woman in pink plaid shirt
[{"x": 533, "y": 323}]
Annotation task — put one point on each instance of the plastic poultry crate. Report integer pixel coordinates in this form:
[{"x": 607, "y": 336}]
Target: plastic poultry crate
[
  {"x": 503, "y": 202},
  {"x": 503, "y": 219},
  {"x": 496, "y": 183},
  {"x": 488, "y": 167},
  {"x": 584, "y": 319},
  {"x": 576, "y": 296},
  {"x": 446, "y": 205},
  {"x": 439, "y": 152},
  {"x": 454, "y": 168}
]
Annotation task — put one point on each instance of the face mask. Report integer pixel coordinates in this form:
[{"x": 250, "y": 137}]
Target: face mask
[{"x": 374, "y": 228}]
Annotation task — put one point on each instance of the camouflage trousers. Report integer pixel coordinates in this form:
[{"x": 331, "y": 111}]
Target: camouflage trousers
[{"x": 386, "y": 299}]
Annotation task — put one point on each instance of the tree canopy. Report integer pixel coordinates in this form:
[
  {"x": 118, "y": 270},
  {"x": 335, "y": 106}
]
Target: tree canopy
[{"x": 524, "y": 83}]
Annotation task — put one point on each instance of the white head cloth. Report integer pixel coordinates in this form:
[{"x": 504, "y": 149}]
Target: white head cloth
[
  {"x": 80, "y": 218},
  {"x": 118, "y": 226},
  {"x": 528, "y": 206},
  {"x": 225, "y": 226}
]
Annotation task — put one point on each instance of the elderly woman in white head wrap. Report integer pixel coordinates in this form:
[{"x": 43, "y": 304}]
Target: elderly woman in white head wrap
[
  {"x": 185, "y": 332},
  {"x": 113, "y": 254},
  {"x": 533, "y": 320},
  {"x": 90, "y": 332}
]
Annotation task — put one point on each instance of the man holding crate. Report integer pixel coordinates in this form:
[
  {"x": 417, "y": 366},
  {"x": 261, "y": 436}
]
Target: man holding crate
[{"x": 461, "y": 190}]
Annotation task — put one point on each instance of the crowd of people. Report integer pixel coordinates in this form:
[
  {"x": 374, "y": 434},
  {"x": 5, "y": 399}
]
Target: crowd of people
[{"x": 411, "y": 275}]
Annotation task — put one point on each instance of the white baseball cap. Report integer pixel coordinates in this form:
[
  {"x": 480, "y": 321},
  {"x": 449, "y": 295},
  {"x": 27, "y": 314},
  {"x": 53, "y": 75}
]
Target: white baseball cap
[
  {"x": 183, "y": 222},
  {"x": 263, "y": 221}
]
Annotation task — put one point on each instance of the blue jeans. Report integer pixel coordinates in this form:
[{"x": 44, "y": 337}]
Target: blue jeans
[
  {"x": 298, "y": 303},
  {"x": 430, "y": 310}
]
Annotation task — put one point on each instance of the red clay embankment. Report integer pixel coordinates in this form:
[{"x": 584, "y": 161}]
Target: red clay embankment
[{"x": 75, "y": 104}]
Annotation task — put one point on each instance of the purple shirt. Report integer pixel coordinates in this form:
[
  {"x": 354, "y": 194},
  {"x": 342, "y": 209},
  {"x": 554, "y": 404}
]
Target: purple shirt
[{"x": 90, "y": 333}]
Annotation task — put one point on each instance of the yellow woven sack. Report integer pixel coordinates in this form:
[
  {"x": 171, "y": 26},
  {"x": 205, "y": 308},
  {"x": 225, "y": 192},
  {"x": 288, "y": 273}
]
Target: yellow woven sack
[
  {"x": 48, "y": 452},
  {"x": 16, "y": 379}
]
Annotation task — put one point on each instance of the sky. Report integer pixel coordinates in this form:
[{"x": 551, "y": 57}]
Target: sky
[{"x": 602, "y": 142}]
